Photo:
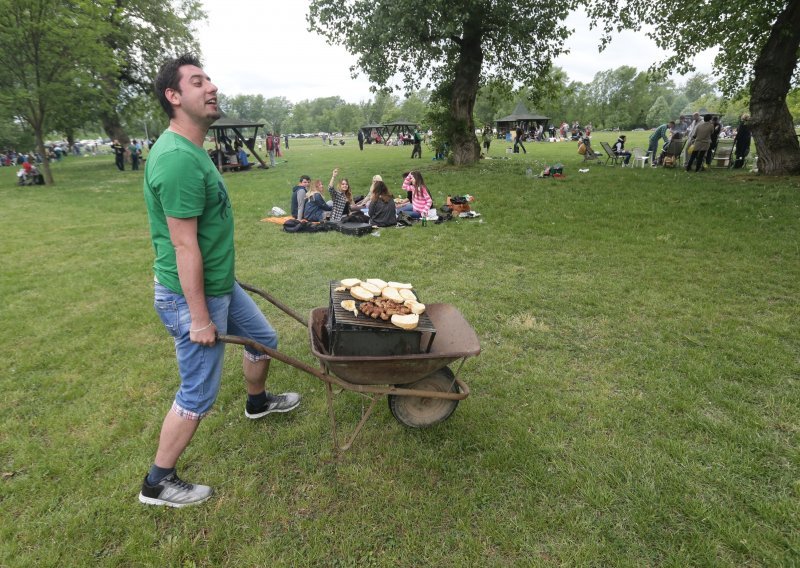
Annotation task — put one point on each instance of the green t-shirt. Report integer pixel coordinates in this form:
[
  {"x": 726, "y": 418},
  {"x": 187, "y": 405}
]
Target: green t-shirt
[{"x": 181, "y": 181}]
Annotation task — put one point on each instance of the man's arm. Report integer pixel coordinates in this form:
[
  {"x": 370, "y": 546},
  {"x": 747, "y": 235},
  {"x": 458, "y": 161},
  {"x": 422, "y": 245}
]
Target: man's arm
[{"x": 183, "y": 233}]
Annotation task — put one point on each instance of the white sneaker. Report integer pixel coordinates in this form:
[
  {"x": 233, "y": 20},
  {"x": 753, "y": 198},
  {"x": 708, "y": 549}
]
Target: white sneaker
[{"x": 172, "y": 491}]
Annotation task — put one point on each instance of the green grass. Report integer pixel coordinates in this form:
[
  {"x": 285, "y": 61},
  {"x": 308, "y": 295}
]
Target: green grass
[{"x": 635, "y": 404}]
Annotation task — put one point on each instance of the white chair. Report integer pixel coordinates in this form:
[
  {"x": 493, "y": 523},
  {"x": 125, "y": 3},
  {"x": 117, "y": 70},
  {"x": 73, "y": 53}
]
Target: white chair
[{"x": 640, "y": 158}]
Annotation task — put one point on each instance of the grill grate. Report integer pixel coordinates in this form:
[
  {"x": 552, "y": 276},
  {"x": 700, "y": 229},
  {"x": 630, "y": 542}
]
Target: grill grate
[{"x": 342, "y": 317}]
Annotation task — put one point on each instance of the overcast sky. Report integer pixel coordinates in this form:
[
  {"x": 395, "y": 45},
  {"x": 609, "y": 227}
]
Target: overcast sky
[{"x": 263, "y": 47}]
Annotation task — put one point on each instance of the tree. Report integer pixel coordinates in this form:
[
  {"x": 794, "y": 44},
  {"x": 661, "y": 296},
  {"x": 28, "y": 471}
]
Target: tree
[
  {"x": 276, "y": 111},
  {"x": 659, "y": 113},
  {"x": 455, "y": 44},
  {"x": 48, "y": 57},
  {"x": 139, "y": 36},
  {"x": 760, "y": 56},
  {"x": 697, "y": 85}
]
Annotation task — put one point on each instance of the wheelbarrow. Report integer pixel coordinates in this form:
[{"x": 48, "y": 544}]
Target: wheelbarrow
[{"x": 420, "y": 388}]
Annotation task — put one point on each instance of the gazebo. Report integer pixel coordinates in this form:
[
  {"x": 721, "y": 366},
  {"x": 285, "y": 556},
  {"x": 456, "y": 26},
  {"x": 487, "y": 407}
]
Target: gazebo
[
  {"x": 223, "y": 141},
  {"x": 399, "y": 127},
  {"x": 372, "y": 132},
  {"x": 520, "y": 117}
]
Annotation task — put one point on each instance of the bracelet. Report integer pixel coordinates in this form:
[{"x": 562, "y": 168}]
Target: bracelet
[{"x": 202, "y": 328}]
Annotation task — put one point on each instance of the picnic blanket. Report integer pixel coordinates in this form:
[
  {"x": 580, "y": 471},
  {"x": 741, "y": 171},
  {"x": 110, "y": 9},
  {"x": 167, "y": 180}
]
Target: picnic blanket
[{"x": 276, "y": 220}]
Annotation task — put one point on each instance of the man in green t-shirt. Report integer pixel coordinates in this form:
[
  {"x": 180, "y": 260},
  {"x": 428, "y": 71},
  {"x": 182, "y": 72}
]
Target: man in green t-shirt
[{"x": 196, "y": 294}]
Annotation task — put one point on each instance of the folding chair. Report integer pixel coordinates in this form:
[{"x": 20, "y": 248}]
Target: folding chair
[
  {"x": 673, "y": 153},
  {"x": 611, "y": 156},
  {"x": 590, "y": 155}
]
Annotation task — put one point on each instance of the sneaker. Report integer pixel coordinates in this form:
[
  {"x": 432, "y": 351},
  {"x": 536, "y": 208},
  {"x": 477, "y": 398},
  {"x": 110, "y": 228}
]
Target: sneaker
[
  {"x": 275, "y": 403},
  {"x": 172, "y": 491}
]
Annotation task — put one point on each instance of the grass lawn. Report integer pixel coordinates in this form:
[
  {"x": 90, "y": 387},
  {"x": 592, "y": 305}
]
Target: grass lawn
[{"x": 636, "y": 402}]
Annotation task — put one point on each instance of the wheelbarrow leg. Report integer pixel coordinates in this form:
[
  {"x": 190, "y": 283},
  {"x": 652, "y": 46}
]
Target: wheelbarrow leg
[{"x": 375, "y": 398}]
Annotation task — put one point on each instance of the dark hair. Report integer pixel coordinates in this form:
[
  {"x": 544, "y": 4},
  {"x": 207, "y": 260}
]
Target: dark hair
[
  {"x": 381, "y": 191},
  {"x": 305, "y": 177},
  {"x": 707, "y": 118},
  {"x": 169, "y": 77}
]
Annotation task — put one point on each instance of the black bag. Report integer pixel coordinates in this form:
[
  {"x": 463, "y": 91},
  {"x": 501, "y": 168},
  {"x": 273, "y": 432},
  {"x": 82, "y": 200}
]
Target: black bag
[
  {"x": 355, "y": 229},
  {"x": 458, "y": 200},
  {"x": 356, "y": 217},
  {"x": 293, "y": 226},
  {"x": 445, "y": 212},
  {"x": 296, "y": 226},
  {"x": 404, "y": 218}
]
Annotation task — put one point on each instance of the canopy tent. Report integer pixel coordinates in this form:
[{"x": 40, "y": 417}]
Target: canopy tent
[
  {"x": 521, "y": 117},
  {"x": 399, "y": 127},
  {"x": 223, "y": 142},
  {"x": 372, "y": 132}
]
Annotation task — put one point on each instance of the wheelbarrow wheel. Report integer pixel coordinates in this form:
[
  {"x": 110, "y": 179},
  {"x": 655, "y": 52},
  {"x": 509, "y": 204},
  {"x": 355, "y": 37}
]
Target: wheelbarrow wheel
[{"x": 421, "y": 412}]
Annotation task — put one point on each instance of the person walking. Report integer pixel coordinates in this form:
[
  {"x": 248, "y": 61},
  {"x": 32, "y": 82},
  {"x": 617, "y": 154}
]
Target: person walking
[
  {"x": 360, "y": 139},
  {"x": 518, "y": 140},
  {"x": 417, "y": 150},
  {"x": 119, "y": 155},
  {"x": 196, "y": 293}
]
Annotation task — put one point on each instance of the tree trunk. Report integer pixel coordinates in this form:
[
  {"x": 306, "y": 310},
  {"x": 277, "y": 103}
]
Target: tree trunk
[
  {"x": 113, "y": 127},
  {"x": 465, "y": 147},
  {"x": 776, "y": 142}
]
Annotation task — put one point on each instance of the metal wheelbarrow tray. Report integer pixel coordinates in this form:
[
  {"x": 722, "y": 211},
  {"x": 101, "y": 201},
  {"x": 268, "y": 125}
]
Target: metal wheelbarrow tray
[{"x": 421, "y": 389}]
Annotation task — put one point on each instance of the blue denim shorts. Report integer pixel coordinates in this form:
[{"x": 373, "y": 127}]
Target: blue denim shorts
[{"x": 200, "y": 367}]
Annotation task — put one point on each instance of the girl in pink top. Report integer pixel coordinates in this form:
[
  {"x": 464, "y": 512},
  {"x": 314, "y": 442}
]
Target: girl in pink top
[{"x": 421, "y": 201}]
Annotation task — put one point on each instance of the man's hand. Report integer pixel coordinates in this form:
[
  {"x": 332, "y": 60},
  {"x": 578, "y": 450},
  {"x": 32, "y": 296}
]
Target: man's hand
[{"x": 204, "y": 335}]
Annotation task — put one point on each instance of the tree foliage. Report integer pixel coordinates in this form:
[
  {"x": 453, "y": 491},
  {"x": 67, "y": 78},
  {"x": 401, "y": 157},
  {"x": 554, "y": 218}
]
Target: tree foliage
[
  {"x": 758, "y": 47},
  {"x": 44, "y": 67},
  {"x": 452, "y": 45}
]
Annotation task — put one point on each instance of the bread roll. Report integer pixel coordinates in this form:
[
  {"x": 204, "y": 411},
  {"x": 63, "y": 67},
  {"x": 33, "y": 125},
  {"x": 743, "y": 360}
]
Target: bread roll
[
  {"x": 400, "y": 285},
  {"x": 360, "y": 293},
  {"x": 415, "y": 307},
  {"x": 406, "y": 322},
  {"x": 350, "y": 282},
  {"x": 377, "y": 282},
  {"x": 408, "y": 294},
  {"x": 392, "y": 294},
  {"x": 371, "y": 288}
]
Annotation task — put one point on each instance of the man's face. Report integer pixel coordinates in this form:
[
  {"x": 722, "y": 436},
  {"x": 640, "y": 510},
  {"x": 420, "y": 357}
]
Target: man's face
[{"x": 197, "y": 95}]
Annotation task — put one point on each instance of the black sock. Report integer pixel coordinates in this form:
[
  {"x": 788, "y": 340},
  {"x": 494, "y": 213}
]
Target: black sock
[
  {"x": 257, "y": 400},
  {"x": 158, "y": 473}
]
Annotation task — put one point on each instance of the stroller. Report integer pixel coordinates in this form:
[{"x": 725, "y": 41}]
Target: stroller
[
  {"x": 588, "y": 152},
  {"x": 671, "y": 155}
]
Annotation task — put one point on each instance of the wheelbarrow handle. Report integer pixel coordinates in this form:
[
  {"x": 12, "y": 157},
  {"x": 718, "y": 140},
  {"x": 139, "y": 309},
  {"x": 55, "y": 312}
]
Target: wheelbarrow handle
[
  {"x": 275, "y": 354},
  {"x": 275, "y": 302}
]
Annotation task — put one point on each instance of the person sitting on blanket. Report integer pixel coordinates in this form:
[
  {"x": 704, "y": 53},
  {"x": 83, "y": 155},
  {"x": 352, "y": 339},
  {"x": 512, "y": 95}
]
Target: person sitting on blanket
[
  {"x": 299, "y": 196},
  {"x": 315, "y": 206},
  {"x": 420, "y": 201},
  {"x": 363, "y": 202},
  {"x": 382, "y": 212},
  {"x": 342, "y": 197}
]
